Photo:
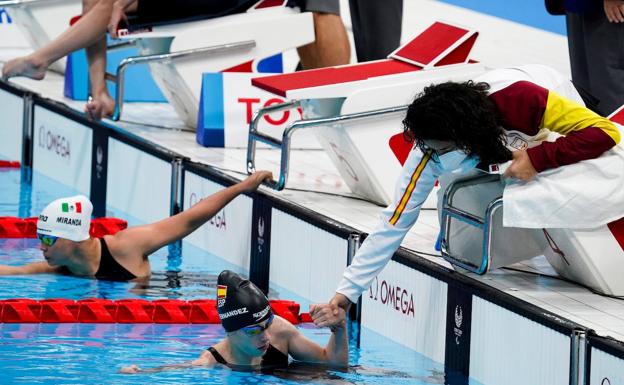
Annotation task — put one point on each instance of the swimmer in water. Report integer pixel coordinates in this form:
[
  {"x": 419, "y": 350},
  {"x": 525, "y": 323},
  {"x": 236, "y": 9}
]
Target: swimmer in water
[
  {"x": 63, "y": 229},
  {"x": 256, "y": 339}
]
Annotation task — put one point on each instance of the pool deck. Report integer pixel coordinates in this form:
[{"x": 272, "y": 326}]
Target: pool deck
[{"x": 315, "y": 183}]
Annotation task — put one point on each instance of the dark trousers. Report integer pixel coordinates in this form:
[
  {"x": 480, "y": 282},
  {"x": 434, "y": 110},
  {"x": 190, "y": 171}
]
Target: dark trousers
[
  {"x": 597, "y": 57},
  {"x": 376, "y": 27}
]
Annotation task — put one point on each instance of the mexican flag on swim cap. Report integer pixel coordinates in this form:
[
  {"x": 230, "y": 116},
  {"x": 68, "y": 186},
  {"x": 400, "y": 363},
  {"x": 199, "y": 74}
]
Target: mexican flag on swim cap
[
  {"x": 68, "y": 218},
  {"x": 239, "y": 302}
]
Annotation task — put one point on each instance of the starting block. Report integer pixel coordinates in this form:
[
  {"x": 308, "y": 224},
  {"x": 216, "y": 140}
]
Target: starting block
[
  {"x": 40, "y": 21},
  {"x": 356, "y": 110},
  {"x": 178, "y": 54},
  {"x": 473, "y": 237}
]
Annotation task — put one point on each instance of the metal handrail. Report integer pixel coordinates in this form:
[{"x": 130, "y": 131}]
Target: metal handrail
[
  {"x": 167, "y": 57},
  {"x": 485, "y": 223},
  {"x": 285, "y": 143}
]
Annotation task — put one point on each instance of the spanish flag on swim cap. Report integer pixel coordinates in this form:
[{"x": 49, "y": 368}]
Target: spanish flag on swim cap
[{"x": 239, "y": 302}]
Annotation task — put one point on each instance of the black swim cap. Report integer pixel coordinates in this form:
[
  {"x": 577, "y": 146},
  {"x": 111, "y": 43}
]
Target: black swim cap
[{"x": 239, "y": 302}]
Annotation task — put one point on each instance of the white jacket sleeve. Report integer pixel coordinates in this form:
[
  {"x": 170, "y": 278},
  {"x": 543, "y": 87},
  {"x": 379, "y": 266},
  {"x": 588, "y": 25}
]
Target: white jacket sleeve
[{"x": 416, "y": 182}]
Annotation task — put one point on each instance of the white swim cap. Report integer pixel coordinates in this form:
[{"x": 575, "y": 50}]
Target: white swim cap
[{"x": 68, "y": 218}]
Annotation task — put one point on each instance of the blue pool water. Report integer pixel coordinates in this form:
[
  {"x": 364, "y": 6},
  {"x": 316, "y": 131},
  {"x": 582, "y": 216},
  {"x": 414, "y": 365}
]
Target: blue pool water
[
  {"x": 80, "y": 354},
  {"x": 93, "y": 354}
]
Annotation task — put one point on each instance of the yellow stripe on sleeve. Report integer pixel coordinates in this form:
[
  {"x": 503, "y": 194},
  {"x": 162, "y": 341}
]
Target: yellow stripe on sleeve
[
  {"x": 564, "y": 116},
  {"x": 410, "y": 188}
]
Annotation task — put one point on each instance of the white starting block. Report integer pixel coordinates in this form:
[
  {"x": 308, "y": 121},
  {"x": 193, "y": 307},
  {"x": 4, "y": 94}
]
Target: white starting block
[
  {"x": 356, "y": 110},
  {"x": 41, "y": 21},
  {"x": 178, "y": 54},
  {"x": 473, "y": 237}
]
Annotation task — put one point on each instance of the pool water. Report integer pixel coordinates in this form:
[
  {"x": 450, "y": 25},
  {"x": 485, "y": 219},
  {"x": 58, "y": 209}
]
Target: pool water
[
  {"x": 94, "y": 353},
  {"x": 81, "y": 354}
]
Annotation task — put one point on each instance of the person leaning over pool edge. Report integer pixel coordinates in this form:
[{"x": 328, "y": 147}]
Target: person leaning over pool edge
[
  {"x": 455, "y": 127},
  {"x": 256, "y": 338},
  {"x": 63, "y": 229}
]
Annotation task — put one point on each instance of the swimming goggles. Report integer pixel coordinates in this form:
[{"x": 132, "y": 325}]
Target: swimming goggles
[
  {"x": 254, "y": 330},
  {"x": 48, "y": 240}
]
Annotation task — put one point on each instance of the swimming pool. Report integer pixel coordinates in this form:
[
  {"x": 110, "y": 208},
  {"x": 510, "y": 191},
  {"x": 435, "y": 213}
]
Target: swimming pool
[{"x": 94, "y": 353}]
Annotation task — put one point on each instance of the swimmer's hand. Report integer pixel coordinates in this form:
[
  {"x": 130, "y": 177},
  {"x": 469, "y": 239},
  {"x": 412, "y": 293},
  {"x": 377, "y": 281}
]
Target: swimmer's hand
[
  {"x": 328, "y": 315},
  {"x": 132, "y": 369},
  {"x": 521, "y": 167},
  {"x": 118, "y": 17},
  {"x": 254, "y": 180}
]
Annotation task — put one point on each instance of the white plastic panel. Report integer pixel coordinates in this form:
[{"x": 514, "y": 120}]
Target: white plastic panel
[
  {"x": 62, "y": 149},
  {"x": 11, "y": 126},
  {"x": 228, "y": 233},
  {"x": 138, "y": 184},
  {"x": 408, "y": 307},
  {"x": 506, "y": 348},
  {"x": 305, "y": 260},
  {"x": 606, "y": 369}
]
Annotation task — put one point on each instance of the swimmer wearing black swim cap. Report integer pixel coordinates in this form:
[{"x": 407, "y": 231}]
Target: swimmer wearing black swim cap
[
  {"x": 256, "y": 338},
  {"x": 240, "y": 303}
]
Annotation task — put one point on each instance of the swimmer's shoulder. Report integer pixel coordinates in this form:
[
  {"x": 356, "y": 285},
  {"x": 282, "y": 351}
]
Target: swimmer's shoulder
[
  {"x": 205, "y": 359},
  {"x": 283, "y": 329}
]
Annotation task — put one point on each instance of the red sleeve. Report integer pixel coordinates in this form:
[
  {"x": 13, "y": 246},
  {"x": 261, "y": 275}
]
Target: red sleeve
[
  {"x": 527, "y": 107},
  {"x": 588, "y": 143},
  {"x": 521, "y": 106}
]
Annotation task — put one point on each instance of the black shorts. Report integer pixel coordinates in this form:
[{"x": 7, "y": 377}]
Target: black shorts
[
  {"x": 157, "y": 11},
  {"x": 320, "y": 6}
]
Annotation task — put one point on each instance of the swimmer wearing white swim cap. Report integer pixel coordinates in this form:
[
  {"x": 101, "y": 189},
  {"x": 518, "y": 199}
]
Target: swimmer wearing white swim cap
[{"x": 63, "y": 230}]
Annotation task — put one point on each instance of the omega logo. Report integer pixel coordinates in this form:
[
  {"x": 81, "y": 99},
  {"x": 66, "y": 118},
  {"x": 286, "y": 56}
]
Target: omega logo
[
  {"x": 393, "y": 296},
  {"x": 605, "y": 381},
  {"x": 54, "y": 142}
]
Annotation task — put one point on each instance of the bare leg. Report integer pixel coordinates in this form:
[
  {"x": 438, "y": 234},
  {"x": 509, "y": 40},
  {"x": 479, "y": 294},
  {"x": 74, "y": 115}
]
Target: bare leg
[
  {"x": 331, "y": 46},
  {"x": 101, "y": 104},
  {"x": 86, "y": 31}
]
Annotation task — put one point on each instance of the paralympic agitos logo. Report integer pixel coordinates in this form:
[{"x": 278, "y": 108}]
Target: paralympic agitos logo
[
  {"x": 54, "y": 142},
  {"x": 393, "y": 296}
]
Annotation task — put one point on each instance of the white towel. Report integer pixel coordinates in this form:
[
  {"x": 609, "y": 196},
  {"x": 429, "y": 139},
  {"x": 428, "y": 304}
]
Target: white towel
[{"x": 583, "y": 195}]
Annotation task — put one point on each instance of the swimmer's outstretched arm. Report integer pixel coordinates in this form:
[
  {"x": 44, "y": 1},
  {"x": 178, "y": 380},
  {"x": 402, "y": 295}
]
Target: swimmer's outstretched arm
[
  {"x": 30, "y": 268},
  {"x": 335, "y": 353},
  {"x": 146, "y": 239},
  {"x": 205, "y": 360}
]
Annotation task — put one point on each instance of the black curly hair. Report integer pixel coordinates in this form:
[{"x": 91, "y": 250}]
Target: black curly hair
[{"x": 461, "y": 113}]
